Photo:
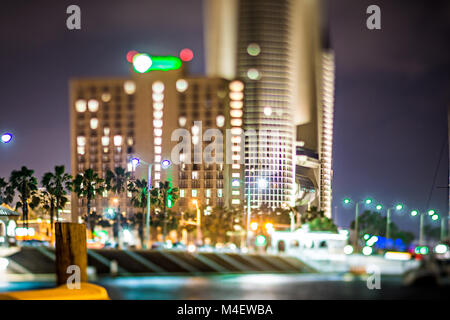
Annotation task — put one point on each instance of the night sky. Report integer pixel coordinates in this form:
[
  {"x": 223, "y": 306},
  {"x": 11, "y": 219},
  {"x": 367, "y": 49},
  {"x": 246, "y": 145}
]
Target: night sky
[{"x": 392, "y": 85}]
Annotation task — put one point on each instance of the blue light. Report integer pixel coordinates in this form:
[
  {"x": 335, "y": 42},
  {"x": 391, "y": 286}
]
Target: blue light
[
  {"x": 135, "y": 161},
  {"x": 7, "y": 137},
  {"x": 165, "y": 164}
]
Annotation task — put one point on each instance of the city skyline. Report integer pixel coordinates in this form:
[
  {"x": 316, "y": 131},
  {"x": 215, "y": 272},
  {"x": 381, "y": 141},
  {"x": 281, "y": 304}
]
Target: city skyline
[{"x": 353, "y": 116}]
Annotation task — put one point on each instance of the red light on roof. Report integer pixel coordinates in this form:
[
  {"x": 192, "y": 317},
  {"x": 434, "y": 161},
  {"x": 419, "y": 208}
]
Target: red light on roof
[
  {"x": 130, "y": 55},
  {"x": 186, "y": 55}
]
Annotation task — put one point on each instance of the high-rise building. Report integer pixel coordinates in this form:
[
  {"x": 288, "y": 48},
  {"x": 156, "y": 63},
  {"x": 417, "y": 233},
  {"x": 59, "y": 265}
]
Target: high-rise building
[
  {"x": 146, "y": 116},
  {"x": 279, "y": 49}
]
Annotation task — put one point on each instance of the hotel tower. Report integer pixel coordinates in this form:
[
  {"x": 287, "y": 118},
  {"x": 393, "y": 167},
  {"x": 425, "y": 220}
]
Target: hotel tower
[{"x": 280, "y": 50}]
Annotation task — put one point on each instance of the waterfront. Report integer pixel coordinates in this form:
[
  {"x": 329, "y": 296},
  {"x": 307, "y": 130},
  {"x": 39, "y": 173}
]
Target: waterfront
[{"x": 252, "y": 286}]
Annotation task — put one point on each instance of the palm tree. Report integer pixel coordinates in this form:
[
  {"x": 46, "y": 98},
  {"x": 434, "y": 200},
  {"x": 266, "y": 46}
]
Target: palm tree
[
  {"x": 6, "y": 192},
  {"x": 139, "y": 188},
  {"x": 57, "y": 184},
  {"x": 117, "y": 181},
  {"x": 26, "y": 185},
  {"x": 160, "y": 197},
  {"x": 88, "y": 185}
]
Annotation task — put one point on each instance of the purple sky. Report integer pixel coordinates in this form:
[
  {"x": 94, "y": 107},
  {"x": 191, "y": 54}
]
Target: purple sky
[{"x": 392, "y": 85}]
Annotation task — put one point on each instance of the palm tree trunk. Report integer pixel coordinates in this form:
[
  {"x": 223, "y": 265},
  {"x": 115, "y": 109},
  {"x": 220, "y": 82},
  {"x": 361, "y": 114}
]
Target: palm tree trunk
[
  {"x": 88, "y": 218},
  {"x": 52, "y": 212},
  {"x": 165, "y": 217}
]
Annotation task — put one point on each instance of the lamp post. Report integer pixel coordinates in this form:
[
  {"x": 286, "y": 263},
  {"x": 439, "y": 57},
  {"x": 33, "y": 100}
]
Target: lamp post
[
  {"x": 199, "y": 229},
  {"x": 367, "y": 201},
  {"x": 164, "y": 164},
  {"x": 398, "y": 207},
  {"x": 431, "y": 213}
]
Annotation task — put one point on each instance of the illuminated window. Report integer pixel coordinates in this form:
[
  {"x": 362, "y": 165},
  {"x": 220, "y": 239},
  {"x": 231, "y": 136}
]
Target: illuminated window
[
  {"x": 158, "y": 97},
  {"x": 80, "y": 105},
  {"x": 157, "y": 167},
  {"x": 194, "y": 193},
  {"x": 158, "y": 149},
  {"x": 129, "y": 87},
  {"x": 158, "y": 114},
  {"x": 157, "y": 123},
  {"x": 182, "y": 191},
  {"x": 117, "y": 141},
  {"x": 253, "y": 49},
  {"x": 158, "y": 87},
  {"x": 267, "y": 111},
  {"x": 236, "y": 131},
  {"x": 182, "y": 121},
  {"x": 94, "y": 123},
  {"x": 236, "y": 192},
  {"x": 158, "y": 141},
  {"x": 236, "y": 104},
  {"x": 235, "y": 201},
  {"x": 157, "y": 176},
  {"x": 235, "y": 183},
  {"x": 106, "y": 97},
  {"x": 236, "y": 95},
  {"x": 208, "y": 193},
  {"x": 236, "y": 113},
  {"x": 236, "y": 86},
  {"x": 181, "y": 85},
  {"x": 194, "y": 174},
  {"x": 81, "y": 141},
  {"x": 253, "y": 74},
  {"x": 157, "y": 132},
  {"x": 105, "y": 141},
  {"x": 220, "y": 121},
  {"x": 236, "y": 122},
  {"x": 93, "y": 105},
  {"x": 80, "y": 150},
  {"x": 219, "y": 193},
  {"x": 158, "y": 158},
  {"x": 158, "y": 106},
  {"x": 236, "y": 175}
]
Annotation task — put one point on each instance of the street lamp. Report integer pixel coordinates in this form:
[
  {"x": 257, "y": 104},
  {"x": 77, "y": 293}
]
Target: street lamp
[
  {"x": 430, "y": 212},
  {"x": 397, "y": 207},
  {"x": 262, "y": 184},
  {"x": 199, "y": 230},
  {"x": 164, "y": 164},
  {"x": 6, "y": 137},
  {"x": 366, "y": 201}
]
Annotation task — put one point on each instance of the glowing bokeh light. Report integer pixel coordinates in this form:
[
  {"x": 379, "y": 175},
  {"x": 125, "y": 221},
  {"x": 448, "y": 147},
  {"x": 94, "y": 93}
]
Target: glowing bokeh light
[
  {"x": 130, "y": 55},
  {"x": 186, "y": 55},
  {"x": 6, "y": 137},
  {"x": 142, "y": 62},
  {"x": 253, "y": 49}
]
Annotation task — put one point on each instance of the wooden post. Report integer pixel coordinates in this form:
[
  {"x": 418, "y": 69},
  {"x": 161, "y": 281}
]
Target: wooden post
[{"x": 70, "y": 250}]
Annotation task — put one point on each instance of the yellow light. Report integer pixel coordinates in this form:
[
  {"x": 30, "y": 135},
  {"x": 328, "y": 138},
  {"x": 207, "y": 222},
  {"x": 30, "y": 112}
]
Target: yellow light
[
  {"x": 269, "y": 226},
  {"x": 254, "y": 226},
  {"x": 194, "y": 201}
]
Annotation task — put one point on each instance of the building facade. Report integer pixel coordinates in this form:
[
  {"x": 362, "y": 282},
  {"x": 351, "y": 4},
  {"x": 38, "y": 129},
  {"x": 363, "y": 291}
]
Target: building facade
[
  {"x": 279, "y": 49},
  {"x": 194, "y": 122}
]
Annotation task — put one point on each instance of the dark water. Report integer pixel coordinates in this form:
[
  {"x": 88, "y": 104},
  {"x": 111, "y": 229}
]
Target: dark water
[
  {"x": 265, "y": 287},
  {"x": 262, "y": 286}
]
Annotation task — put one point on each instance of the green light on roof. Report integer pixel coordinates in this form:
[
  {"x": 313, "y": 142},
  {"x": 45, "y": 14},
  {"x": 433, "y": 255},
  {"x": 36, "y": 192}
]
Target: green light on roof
[{"x": 143, "y": 63}]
